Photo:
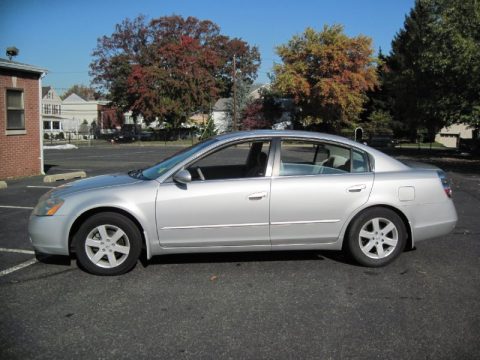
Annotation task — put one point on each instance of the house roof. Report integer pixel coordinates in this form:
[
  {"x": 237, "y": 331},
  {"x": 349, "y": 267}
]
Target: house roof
[
  {"x": 221, "y": 104},
  {"x": 13, "y": 65},
  {"x": 45, "y": 90},
  {"x": 255, "y": 90},
  {"x": 253, "y": 94},
  {"x": 74, "y": 98}
]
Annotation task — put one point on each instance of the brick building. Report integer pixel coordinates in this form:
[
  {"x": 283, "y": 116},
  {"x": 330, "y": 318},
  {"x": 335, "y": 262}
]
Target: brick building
[{"x": 21, "y": 139}]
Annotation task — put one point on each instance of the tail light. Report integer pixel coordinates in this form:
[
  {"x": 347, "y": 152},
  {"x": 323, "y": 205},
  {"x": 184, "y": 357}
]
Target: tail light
[{"x": 445, "y": 183}]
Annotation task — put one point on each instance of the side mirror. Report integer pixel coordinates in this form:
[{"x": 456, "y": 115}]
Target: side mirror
[{"x": 182, "y": 177}]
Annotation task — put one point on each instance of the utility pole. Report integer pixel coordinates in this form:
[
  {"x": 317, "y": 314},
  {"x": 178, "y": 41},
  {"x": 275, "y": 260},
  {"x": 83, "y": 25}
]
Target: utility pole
[{"x": 234, "y": 92}]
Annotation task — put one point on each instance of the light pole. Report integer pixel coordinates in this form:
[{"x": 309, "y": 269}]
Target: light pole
[{"x": 234, "y": 92}]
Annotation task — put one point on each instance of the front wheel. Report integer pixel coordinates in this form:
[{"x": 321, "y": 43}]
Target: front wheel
[
  {"x": 108, "y": 244},
  {"x": 376, "y": 237}
]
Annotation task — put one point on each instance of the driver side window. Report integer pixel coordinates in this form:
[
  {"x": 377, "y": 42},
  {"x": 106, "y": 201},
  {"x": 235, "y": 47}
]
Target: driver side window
[{"x": 241, "y": 160}]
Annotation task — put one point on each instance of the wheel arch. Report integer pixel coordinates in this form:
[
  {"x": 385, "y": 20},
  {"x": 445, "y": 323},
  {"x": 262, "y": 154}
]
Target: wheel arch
[
  {"x": 401, "y": 214},
  {"x": 88, "y": 213}
]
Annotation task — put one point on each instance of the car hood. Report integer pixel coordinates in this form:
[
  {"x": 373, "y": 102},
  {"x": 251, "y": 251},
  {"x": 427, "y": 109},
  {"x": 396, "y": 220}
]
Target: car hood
[{"x": 96, "y": 182}]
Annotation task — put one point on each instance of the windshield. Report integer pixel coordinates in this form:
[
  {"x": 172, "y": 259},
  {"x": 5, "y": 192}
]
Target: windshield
[{"x": 162, "y": 167}]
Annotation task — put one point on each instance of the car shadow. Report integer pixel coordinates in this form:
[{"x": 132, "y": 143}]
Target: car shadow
[
  {"x": 204, "y": 258},
  {"x": 244, "y": 257},
  {"x": 54, "y": 259}
]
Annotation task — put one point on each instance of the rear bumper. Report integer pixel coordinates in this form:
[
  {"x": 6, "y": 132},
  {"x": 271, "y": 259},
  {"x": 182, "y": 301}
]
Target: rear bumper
[
  {"x": 434, "y": 230},
  {"x": 48, "y": 235},
  {"x": 433, "y": 220}
]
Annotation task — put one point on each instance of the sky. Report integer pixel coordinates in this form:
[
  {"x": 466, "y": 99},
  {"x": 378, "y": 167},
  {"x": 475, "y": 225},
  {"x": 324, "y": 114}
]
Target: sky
[{"x": 60, "y": 35}]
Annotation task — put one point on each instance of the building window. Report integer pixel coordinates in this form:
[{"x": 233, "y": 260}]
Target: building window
[
  {"x": 46, "y": 125},
  {"x": 15, "y": 110},
  {"x": 56, "y": 125}
]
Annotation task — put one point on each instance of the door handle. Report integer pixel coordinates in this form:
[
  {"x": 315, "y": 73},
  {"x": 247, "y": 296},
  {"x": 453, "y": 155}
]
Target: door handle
[
  {"x": 357, "y": 188},
  {"x": 257, "y": 196}
]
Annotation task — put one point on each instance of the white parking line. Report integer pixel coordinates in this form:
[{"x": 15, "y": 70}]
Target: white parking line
[
  {"x": 18, "y": 267},
  {"x": 18, "y": 251},
  {"x": 40, "y": 187},
  {"x": 16, "y": 207}
]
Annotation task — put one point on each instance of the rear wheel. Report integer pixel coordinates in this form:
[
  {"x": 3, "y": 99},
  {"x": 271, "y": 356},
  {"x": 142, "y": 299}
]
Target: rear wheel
[
  {"x": 376, "y": 237},
  {"x": 108, "y": 244}
]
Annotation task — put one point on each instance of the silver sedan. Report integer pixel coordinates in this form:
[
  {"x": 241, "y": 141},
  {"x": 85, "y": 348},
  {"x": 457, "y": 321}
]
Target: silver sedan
[{"x": 248, "y": 191}]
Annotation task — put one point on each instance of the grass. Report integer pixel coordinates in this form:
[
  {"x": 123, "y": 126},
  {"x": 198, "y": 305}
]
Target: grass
[{"x": 433, "y": 145}]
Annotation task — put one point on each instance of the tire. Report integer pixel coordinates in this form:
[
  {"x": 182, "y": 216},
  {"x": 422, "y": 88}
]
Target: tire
[
  {"x": 376, "y": 237},
  {"x": 107, "y": 244}
]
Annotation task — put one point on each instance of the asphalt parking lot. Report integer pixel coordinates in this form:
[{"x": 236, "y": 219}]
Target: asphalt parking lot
[{"x": 284, "y": 305}]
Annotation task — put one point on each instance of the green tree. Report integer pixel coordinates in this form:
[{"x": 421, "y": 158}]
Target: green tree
[
  {"x": 435, "y": 67},
  {"x": 241, "y": 102},
  {"x": 327, "y": 74},
  {"x": 209, "y": 130},
  {"x": 376, "y": 118}
]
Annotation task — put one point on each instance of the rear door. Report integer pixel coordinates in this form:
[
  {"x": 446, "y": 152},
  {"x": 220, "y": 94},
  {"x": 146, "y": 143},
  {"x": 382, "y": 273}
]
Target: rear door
[{"x": 315, "y": 187}]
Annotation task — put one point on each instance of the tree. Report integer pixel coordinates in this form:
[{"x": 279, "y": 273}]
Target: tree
[
  {"x": 169, "y": 67},
  {"x": 376, "y": 117},
  {"x": 85, "y": 92},
  {"x": 209, "y": 130},
  {"x": 435, "y": 65},
  {"x": 327, "y": 74},
  {"x": 263, "y": 112},
  {"x": 241, "y": 102},
  {"x": 254, "y": 116}
]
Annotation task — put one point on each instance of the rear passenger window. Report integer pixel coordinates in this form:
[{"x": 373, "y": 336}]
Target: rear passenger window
[
  {"x": 360, "y": 162},
  {"x": 313, "y": 158}
]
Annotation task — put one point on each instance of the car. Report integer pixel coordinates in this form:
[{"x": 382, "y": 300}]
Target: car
[
  {"x": 381, "y": 141},
  {"x": 124, "y": 136},
  {"x": 248, "y": 191},
  {"x": 146, "y": 136}
]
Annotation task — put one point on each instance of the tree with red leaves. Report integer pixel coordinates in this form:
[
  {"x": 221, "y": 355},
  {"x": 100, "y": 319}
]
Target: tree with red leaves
[{"x": 169, "y": 67}]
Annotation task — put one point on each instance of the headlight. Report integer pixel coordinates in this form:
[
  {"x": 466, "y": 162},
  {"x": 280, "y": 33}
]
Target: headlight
[{"x": 48, "y": 206}]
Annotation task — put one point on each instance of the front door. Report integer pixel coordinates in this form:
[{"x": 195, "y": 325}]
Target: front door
[{"x": 226, "y": 204}]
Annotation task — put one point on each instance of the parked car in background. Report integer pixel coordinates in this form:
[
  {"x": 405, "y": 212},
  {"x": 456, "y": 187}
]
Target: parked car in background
[
  {"x": 381, "y": 141},
  {"x": 146, "y": 136},
  {"x": 124, "y": 137},
  {"x": 248, "y": 191}
]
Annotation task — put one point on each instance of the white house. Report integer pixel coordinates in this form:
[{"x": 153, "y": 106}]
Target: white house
[
  {"x": 51, "y": 111},
  {"x": 139, "y": 120},
  {"x": 451, "y": 135},
  {"x": 220, "y": 115},
  {"x": 221, "y": 111},
  {"x": 76, "y": 110}
]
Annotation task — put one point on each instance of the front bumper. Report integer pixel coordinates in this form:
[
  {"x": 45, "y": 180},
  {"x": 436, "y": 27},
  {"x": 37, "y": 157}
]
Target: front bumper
[{"x": 48, "y": 234}]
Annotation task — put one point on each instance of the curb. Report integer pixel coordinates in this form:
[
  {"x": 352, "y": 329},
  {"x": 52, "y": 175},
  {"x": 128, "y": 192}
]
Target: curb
[
  {"x": 3, "y": 185},
  {"x": 65, "y": 176}
]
